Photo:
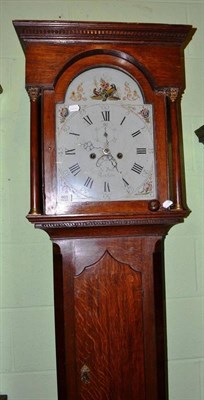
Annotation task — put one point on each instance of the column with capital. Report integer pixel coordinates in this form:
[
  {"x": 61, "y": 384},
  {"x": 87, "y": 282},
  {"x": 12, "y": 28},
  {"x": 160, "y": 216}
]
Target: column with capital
[{"x": 35, "y": 151}]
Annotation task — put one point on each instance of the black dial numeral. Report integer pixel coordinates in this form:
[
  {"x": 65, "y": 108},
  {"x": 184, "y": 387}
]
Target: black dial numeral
[
  {"x": 106, "y": 115},
  {"x": 123, "y": 120},
  {"x": 88, "y": 120},
  {"x": 70, "y": 152},
  {"x": 73, "y": 133},
  {"x": 125, "y": 182},
  {"x": 106, "y": 187},
  {"x": 137, "y": 168},
  {"x": 141, "y": 150},
  {"x": 136, "y": 133},
  {"x": 88, "y": 182},
  {"x": 75, "y": 169}
]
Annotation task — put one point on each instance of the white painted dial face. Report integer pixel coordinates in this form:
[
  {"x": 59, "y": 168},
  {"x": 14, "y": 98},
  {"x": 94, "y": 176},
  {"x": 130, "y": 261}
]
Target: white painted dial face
[{"x": 105, "y": 148}]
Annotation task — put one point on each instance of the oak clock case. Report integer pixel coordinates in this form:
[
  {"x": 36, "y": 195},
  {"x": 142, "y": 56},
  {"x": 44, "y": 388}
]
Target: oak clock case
[{"x": 107, "y": 184}]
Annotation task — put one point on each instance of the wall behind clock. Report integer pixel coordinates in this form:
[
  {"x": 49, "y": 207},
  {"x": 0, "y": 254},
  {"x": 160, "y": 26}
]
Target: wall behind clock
[{"x": 27, "y": 355}]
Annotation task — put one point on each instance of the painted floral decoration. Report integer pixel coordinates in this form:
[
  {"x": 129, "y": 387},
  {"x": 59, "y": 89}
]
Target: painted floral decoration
[
  {"x": 78, "y": 94},
  {"x": 63, "y": 114},
  {"x": 145, "y": 114},
  {"x": 130, "y": 94},
  {"x": 105, "y": 91}
]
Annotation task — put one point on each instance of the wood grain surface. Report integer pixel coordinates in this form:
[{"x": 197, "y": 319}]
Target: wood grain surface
[{"x": 109, "y": 330}]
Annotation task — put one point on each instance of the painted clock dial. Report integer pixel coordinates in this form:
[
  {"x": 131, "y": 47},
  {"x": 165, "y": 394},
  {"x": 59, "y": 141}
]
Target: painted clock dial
[{"x": 104, "y": 139}]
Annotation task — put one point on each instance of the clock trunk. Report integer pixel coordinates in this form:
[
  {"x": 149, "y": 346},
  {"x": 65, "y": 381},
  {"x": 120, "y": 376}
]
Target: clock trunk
[{"x": 110, "y": 318}]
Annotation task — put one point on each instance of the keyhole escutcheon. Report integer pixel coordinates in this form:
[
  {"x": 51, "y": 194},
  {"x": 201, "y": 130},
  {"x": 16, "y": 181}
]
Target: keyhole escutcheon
[{"x": 85, "y": 374}]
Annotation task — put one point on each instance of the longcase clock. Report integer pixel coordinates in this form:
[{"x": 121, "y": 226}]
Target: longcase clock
[{"x": 107, "y": 184}]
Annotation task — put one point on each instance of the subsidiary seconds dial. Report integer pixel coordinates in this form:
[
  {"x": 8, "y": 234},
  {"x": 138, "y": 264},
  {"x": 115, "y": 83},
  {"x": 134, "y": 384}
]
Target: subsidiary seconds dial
[{"x": 105, "y": 153}]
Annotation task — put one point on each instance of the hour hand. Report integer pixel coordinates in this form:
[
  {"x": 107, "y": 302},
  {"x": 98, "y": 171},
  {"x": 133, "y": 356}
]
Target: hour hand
[
  {"x": 113, "y": 161},
  {"x": 107, "y": 156}
]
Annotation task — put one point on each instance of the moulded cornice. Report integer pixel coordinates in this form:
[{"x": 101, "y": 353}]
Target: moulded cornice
[{"x": 80, "y": 31}]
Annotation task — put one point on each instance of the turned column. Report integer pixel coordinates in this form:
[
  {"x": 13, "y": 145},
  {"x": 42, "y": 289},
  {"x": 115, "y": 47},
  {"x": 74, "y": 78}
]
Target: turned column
[{"x": 35, "y": 150}]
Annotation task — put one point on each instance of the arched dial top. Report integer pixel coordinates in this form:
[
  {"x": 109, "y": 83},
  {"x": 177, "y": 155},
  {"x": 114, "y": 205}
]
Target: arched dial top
[{"x": 104, "y": 138}]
